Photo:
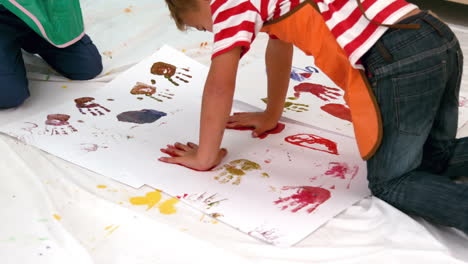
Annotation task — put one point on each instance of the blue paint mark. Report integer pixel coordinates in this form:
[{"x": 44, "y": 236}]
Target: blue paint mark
[
  {"x": 300, "y": 75},
  {"x": 144, "y": 116}
]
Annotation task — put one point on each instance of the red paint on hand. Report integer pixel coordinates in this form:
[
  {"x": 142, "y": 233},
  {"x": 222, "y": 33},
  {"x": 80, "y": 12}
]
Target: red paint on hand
[
  {"x": 338, "y": 110},
  {"x": 278, "y": 129},
  {"x": 313, "y": 142}
]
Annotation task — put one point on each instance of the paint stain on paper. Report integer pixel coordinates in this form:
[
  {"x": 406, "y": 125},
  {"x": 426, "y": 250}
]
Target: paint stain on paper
[
  {"x": 57, "y": 217},
  {"x": 206, "y": 200},
  {"x": 299, "y": 74},
  {"x": 86, "y": 105},
  {"x": 170, "y": 72},
  {"x": 278, "y": 129},
  {"x": 320, "y": 91},
  {"x": 338, "y": 110},
  {"x": 108, "y": 54},
  {"x": 57, "y": 124},
  {"x": 111, "y": 229},
  {"x": 463, "y": 101},
  {"x": 291, "y": 106},
  {"x": 313, "y": 142},
  {"x": 267, "y": 235},
  {"x": 343, "y": 171},
  {"x": 144, "y": 116},
  {"x": 101, "y": 186},
  {"x": 167, "y": 207},
  {"x": 89, "y": 147},
  {"x": 305, "y": 197},
  {"x": 150, "y": 91},
  {"x": 233, "y": 171},
  {"x": 150, "y": 199}
]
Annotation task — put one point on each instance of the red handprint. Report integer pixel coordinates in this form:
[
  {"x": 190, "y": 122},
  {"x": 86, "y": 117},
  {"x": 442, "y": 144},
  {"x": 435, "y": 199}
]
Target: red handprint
[
  {"x": 338, "y": 110},
  {"x": 305, "y": 197},
  {"x": 89, "y": 104},
  {"x": 278, "y": 129},
  {"x": 323, "y": 92},
  {"x": 60, "y": 125},
  {"x": 313, "y": 142}
]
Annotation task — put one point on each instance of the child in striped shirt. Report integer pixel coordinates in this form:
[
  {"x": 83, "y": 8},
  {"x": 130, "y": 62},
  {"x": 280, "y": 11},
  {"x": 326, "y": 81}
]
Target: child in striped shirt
[{"x": 400, "y": 68}]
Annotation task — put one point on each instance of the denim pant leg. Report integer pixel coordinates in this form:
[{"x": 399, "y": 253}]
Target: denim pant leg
[
  {"x": 80, "y": 61},
  {"x": 13, "y": 82},
  {"x": 411, "y": 73}
]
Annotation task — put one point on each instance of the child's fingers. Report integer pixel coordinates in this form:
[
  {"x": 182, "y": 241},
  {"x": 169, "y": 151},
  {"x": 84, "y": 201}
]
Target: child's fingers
[
  {"x": 172, "y": 160},
  {"x": 173, "y": 152},
  {"x": 168, "y": 152},
  {"x": 192, "y": 145},
  {"x": 181, "y": 146}
]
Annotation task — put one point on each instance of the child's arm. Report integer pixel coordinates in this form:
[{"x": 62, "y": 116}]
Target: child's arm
[
  {"x": 278, "y": 58},
  {"x": 216, "y": 107}
]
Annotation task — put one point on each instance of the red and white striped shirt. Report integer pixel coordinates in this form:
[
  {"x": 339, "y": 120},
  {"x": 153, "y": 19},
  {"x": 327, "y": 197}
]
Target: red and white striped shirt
[{"x": 237, "y": 22}]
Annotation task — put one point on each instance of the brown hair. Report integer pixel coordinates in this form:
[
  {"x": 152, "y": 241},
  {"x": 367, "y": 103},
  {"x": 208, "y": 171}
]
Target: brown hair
[{"x": 178, "y": 8}]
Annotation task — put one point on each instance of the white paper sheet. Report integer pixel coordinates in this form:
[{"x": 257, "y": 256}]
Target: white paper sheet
[
  {"x": 278, "y": 189},
  {"x": 312, "y": 97}
]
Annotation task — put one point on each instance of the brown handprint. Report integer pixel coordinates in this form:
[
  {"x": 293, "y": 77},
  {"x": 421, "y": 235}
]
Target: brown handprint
[
  {"x": 149, "y": 90},
  {"x": 313, "y": 142},
  {"x": 323, "y": 92},
  {"x": 235, "y": 170},
  {"x": 87, "y": 103},
  {"x": 295, "y": 107},
  {"x": 59, "y": 125},
  {"x": 169, "y": 72},
  {"x": 305, "y": 197}
]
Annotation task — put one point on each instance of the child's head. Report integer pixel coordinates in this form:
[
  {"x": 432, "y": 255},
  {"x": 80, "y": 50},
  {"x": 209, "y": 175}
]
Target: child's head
[{"x": 191, "y": 13}]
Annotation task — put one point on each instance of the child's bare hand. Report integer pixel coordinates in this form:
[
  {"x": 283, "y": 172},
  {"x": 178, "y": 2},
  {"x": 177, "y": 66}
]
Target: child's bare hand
[
  {"x": 186, "y": 155},
  {"x": 260, "y": 122}
]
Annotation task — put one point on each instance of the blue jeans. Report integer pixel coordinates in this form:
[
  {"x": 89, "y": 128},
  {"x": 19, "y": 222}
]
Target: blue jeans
[
  {"x": 80, "y": 61},
  {"x": 415, "y": 75}
]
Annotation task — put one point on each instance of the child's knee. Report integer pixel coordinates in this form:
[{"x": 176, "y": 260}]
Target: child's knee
[
  {"x": 13, "y": 94},
  {"x": 92, "y": 69}
]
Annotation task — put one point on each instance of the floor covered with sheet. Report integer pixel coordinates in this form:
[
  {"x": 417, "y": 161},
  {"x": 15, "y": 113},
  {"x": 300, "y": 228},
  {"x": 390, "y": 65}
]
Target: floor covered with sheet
[{"x": 56, "y": 212}]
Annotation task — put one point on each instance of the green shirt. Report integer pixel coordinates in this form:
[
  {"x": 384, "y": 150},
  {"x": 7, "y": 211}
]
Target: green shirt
[{"x": 58, "y": 21}]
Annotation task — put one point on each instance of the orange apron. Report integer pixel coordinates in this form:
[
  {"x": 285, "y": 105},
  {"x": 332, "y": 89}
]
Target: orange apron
[{"x": 306, "y": 29}]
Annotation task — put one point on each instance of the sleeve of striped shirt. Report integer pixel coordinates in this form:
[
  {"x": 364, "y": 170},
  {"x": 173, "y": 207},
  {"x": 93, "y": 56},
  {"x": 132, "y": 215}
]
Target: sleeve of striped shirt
[{"x": 235, "y": 24}]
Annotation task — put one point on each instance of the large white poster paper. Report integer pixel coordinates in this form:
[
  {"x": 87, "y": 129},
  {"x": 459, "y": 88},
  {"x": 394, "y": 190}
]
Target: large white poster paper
[{"x": 278, "y": 189}]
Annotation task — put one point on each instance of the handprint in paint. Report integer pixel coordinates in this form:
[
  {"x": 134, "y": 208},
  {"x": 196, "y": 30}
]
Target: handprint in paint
[
  {"x": 301, "y": 75},
  {"x": 313, "y": 142},
  {"x": 338, "y": 110},
  {"x": 338, "y": 175},
  {"x": 205, "y": 200},
  {"x": 267, "y": 235},
  {"x": 291, "y": 106},
  {"x": 320, "y": 91},
  {"x": 305, "y": 197},
  {"x": 87, "y": 105},
  {"x": 57, "y": 124},
  {"x": 150, "y": 91},
  {"x": 170, "y": 72},
  {"x": 234, "y": 171}
]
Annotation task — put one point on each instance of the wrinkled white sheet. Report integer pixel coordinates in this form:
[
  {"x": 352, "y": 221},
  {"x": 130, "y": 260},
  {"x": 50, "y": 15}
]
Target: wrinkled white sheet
[{"x": 54, "y": 212}]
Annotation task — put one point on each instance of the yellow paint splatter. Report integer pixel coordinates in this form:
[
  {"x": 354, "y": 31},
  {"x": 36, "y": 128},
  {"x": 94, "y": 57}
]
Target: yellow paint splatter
[
  {"x": 64, "y": 86},
  {"x": 151, "y": 199},
  {"x": 184, "y": 50},
  {"x": 57, "y": 217},
  {"x": 167, "y": 207},
  {"x": 101, "y": 186},
  {"x": 111, "y": 229}
]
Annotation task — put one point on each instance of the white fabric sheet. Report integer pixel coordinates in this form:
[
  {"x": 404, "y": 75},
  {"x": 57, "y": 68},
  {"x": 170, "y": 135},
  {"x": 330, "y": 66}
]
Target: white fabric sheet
[{"x": 54, "y": 212}]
